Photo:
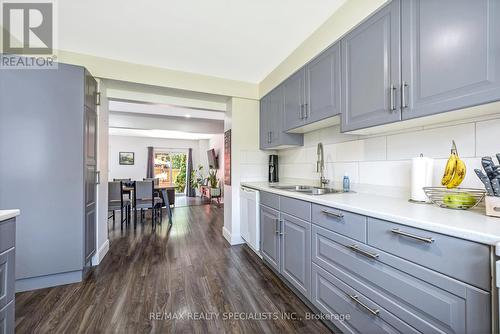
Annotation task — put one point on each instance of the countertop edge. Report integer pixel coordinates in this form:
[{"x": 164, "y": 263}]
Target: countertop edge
[
  {"x": 9, "y": 214},
  {"x": 466, "y": 234}
]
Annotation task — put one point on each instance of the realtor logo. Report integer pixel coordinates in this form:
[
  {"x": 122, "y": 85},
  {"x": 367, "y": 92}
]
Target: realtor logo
[{"x": 27, "y": 28}]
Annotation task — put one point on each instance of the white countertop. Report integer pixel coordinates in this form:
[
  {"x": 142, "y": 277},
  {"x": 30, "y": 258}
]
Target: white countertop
[
  {"x": 8, "y": 214},
  {"x": 471, "y": 225}
]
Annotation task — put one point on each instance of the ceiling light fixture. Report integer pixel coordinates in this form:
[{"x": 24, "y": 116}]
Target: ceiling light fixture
[{"x": 188, "y": 116}]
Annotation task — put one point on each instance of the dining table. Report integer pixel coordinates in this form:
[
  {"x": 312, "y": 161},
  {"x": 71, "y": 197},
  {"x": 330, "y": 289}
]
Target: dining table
[{"x": 167, "y": 193}]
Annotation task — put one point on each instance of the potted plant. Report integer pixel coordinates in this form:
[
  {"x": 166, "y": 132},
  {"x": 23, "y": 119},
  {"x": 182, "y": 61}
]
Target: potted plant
[
  {"x": 212, "y": 180},
  {"x": 197, "y": 177}
]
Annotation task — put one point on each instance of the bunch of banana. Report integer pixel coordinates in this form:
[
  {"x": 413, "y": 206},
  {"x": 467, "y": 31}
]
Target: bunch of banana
[{"x": 454, "y": 172}]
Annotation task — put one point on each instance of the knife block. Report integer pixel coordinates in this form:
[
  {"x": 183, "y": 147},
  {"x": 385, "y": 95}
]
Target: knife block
[{"x": 492, "y": 204}]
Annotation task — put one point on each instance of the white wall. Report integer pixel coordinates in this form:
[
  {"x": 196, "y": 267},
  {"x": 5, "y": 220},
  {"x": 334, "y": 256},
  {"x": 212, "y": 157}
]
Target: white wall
[
  {"x": 139, "y": 145},
  {"x": 385, "y": 159},
  {"x": 248, "y": 162}
]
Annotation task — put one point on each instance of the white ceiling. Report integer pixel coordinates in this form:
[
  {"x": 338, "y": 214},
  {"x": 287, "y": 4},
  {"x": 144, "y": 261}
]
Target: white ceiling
[
  {"x": 235, "y": 39},
  {"x": 163, "y": 110},
  {"x": 165, "y": 134}
]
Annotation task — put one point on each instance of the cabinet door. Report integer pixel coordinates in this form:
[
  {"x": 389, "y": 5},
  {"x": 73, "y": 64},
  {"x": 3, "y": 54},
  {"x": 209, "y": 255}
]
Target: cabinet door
[
  {"x": 269, "y": 236},
  {"x": 371, "y": 71},
  {"x": 265, "y": 141},
  {"x": 296, "y": 253},
  {"x": 323, "y": 85},
  {"x": 276, "y": 115},
  {"x": 293, "y": 96},
  {"x": 450, "y": 55},
  {"x": 90, "y": 182}
]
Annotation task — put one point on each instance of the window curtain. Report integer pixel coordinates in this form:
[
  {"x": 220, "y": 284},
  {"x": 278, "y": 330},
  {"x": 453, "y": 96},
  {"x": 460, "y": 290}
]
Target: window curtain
[
  {"x": 190, "y": 191},
  {"x": 150, "y": 173}
]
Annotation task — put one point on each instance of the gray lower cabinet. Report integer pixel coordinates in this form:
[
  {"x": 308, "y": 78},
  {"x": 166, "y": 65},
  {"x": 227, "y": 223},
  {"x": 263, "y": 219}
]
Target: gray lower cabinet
[
  {"x": 269, "y": 236},
  {"x": 272, "y": 133},
  {"x": 296, "y": 252},
  {"x": 426, "y": 300},
  {"x": 350, "y": 310},
  {"x": 286, "y": 239},
  {"x": 371, "y": 69},
  {"x": 450, "y": 55},
  {"x": 372, "y": 276},
  {"x": 7, "y": 275}
]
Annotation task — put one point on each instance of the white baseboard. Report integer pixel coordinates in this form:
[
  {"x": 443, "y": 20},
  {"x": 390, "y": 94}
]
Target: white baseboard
[
  {"x": 101, "y": 253},
  {"x": 232, "y": 239}
]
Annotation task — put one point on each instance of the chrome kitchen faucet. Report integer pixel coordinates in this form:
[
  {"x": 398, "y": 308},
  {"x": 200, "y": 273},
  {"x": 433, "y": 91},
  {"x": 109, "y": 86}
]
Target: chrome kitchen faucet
[{"x": 320, "y": 166}]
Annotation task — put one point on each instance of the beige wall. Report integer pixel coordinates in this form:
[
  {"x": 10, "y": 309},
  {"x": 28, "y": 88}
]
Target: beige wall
[
  {"x": 344, "y": 19},
  {"x": 248, "y": 163},
  {"x": 149, "y": 75}
]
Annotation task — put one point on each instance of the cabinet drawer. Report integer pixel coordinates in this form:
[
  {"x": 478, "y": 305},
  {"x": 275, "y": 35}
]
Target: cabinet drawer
[
  {"x": 343, "y": 222},
  {"x": 270, "y": 200},
  {"x": 296, "y": 207},
  {"x": 438, "y": 305},
  {"x": 7, "y": 319},
  {"x": 465, "y": 260},
  {"x": 7, "y": 234},
  {"x": 7, "y": 277},
  {"x": 350, "y": 310}
]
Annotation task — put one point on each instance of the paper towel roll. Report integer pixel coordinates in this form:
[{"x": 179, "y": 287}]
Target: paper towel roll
[{"x": 421, "y": 176}]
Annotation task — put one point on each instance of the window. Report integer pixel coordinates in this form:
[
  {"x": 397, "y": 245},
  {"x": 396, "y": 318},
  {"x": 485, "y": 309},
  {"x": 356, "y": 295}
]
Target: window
[{"x": 170, "y": 168}]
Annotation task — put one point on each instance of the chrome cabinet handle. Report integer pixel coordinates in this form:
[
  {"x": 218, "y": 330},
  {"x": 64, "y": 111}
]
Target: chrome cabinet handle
[
  {"x": 372, "y": 311},
  {"x": 403, "y": 94},
  {"x": 392, "y": 95},
  {"x": 269, "y": 137},
  {"x": 301, "y": 115},
  {"x": 281, "y": 221},
  {"x": 307, "y": 111},
  {"x": 358, "y": 250},
  {"x": 277, "y": 226},
  {"x": 333, "y": 214},
  {"x": 98, "y": 177},
  {"x": 428, "y": 240}
]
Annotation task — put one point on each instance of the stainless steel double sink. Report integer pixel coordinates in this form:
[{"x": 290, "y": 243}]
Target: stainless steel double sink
[{"x": 309, "y": 190}]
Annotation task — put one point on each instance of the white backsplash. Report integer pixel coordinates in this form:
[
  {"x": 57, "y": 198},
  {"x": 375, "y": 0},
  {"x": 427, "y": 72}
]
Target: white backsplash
[{"x": 384, "y": 160}]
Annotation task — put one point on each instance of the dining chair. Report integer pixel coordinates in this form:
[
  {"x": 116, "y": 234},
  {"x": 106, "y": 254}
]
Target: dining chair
[
  {"x": 117, "y": 201},
  {"x": 145, "y": 199},
  {"x": 128, "y": 183}
]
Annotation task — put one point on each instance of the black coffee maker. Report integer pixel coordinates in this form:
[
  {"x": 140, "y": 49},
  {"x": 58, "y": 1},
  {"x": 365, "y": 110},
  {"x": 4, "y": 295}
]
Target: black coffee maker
[{"x": 273, "y": 169}]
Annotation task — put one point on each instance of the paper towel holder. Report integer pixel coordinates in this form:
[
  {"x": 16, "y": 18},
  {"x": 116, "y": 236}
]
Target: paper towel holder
[{"x": 421, "y": 202}]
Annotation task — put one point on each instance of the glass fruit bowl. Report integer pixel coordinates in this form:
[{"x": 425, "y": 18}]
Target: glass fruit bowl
[{"x": 458, "y": 198}]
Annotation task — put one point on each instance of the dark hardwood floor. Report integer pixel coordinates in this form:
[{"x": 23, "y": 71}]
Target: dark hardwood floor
[{"x": 149, "y": 276}]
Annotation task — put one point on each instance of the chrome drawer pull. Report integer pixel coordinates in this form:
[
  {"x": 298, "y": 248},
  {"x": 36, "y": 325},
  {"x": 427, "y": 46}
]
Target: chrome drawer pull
[
  {"x": 355, "y": 298},
  {"x": 277, "y": 226},
  {"x": 358, "y": 250},
  {"x": 428, "y": 240},
  {"x": 333, "y": 214}
]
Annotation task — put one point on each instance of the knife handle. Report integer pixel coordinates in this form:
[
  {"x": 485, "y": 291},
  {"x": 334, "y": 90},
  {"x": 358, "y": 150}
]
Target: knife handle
[{"x": 486, "y": 182}]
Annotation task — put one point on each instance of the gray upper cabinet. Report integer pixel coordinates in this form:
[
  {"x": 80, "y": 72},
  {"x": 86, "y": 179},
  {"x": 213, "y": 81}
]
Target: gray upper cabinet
[
  {"x": 371, "y": 71},
  {"x": 294, "y": 100},
  {"x": 265, "y": 141},
  {"x": 323, "y": 86},
  {"x": 296, "y": 253},
  {"x": 450, "y": 55},
  {"x": 313, "y": 93},
  {"x": 272, "y": 134},
  {"x": 269, "y": 236}
]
